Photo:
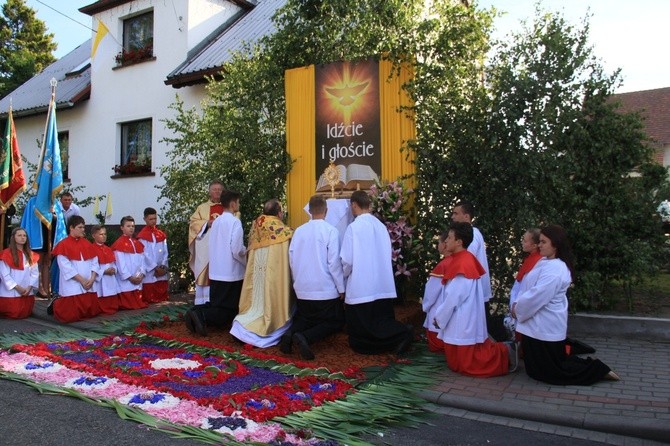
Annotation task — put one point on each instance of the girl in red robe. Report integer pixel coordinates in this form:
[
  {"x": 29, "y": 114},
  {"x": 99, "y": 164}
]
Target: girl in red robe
[{"x": 20, "y": 276}]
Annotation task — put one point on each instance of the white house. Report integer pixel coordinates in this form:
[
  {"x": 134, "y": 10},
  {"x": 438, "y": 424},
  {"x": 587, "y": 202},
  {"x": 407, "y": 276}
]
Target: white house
[{"x": 110, "y": 109}]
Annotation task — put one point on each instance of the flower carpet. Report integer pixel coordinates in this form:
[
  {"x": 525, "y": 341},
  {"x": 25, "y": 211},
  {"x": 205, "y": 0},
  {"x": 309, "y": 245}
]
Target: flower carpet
[{"x": 208, "y": 389}]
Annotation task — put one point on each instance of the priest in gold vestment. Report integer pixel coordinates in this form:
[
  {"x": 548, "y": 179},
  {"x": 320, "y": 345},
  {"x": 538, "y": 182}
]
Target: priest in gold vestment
[
  {"x": 267, "y": 302},
  {"x": 198, "y": 248}
]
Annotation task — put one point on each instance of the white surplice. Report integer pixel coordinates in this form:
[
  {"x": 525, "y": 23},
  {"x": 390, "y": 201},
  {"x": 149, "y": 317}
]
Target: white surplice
[
  {"x": 460, "y": 315},
  {"x": 106, "y": 284},
  {"x": 478, "y": 248},
  {"x": 366, "y": 261},
  {"x": 542, "y": 303},
  {"x": 127, "y": 266},
  {"x": 227, "y": 253},
  {"x": 67, "y": 286},
  {"x": 155, "y": 254},
  {"x": 314, "y": 256},
  {"x": 28, "y": 276}
]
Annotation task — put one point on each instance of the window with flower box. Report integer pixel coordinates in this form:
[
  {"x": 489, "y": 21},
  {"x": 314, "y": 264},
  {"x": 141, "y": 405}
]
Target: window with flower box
[
  {"x": 135, "y": 148},
  {"x": 138, "y": 39}
]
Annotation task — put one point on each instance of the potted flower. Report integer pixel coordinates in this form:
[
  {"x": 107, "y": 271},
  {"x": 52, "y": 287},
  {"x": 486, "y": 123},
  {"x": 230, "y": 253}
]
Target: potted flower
[
  {"x": 136, "y": 165},
  {"x": 390, "y": 205},
  {"x": 134, "y": 55}
]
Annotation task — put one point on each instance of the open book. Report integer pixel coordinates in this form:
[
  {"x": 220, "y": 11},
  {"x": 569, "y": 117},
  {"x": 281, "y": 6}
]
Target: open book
[{"x": 352, "y": 177}]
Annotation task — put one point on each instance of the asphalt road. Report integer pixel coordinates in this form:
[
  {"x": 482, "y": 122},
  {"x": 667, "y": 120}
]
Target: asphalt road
[{"x": 30, "y": 418}]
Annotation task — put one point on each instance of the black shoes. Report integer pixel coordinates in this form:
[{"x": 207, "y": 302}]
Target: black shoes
[
  {"x": 188, "y": 320},
  {"x": 194, "y": 323},
  {"x": 303, "y": 346},
  {"x": 406, "y": 343},
  {"x": 286, "y": 343}
]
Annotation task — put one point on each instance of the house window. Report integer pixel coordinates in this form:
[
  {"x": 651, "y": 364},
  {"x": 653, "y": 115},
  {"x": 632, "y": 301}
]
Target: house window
[
  {"x": 135, "y": 148},
  {"x": 64, "y": 144},
  {"x": 138, "y": 39}
]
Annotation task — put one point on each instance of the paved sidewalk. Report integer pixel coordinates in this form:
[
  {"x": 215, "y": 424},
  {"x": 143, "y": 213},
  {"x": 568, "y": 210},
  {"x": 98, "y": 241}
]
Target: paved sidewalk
[{"x": 637, "y": 406}]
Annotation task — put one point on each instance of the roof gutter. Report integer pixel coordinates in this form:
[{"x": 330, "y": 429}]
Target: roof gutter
[
  {"x": 36, "y": 110},
  {"x": 104, "y": 5},
  {"x": 195, "y": 78},
  {"x": 24, "y": 113}
]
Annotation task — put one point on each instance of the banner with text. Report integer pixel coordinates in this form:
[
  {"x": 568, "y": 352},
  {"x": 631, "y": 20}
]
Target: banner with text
[{"x": 348, "y": 123}]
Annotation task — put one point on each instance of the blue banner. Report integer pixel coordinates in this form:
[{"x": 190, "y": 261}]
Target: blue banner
[{"x": 49, "y": 181}]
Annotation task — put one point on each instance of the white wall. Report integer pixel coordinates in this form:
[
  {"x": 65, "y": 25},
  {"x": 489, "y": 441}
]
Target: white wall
[
  {"x": 205, "y": 16},
  {"x": 126, "y": 94}
]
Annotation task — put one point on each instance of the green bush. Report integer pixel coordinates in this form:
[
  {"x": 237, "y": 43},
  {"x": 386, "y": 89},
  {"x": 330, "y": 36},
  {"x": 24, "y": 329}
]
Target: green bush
[{"x": 530, "y": 135}]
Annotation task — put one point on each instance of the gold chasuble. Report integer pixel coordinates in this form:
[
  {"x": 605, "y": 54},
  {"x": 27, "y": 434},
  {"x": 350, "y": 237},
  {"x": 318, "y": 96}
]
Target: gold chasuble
[{"x": 266, "y": 300}]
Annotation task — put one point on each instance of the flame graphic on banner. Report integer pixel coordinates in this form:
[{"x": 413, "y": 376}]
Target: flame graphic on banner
[{"x": 346, "y": 91}]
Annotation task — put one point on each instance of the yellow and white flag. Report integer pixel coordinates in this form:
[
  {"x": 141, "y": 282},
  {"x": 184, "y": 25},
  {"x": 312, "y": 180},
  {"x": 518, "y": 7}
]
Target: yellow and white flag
[
  {"x": 96, "y": 206},
  {"x": 100, "y": 34},
  {"x": 108, "y": 211}
]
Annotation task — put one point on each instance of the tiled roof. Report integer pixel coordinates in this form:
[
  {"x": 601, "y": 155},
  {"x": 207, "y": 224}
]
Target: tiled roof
[
  {"x": 33, "y": 96},
  {"x": 249, "y": 28},
  {"x": 206, "y": 59},
  {"x": 654, "y": 106}
]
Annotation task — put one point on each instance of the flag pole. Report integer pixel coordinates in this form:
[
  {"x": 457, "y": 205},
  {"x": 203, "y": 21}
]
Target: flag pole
[
  {"x": 12, "y": 180},
  {"x": 52, "y": 103},
  {"x": 46, "y": 265},
  {"x": 4, "y": 209}
]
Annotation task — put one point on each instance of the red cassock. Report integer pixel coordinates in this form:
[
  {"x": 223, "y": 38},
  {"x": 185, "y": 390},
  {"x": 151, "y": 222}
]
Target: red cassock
[
  {"x": 157, "y": 291},
  {"x": 109, "y": 301},
  {"x": 13, "y": 305},
  {"x": 75, "y": 256},
  {"x": 128, "y": 254},
  {"x": 483, "y": 358}
]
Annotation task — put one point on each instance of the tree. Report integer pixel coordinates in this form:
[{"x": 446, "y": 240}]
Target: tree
[
  {"x": 530, "y": 136},
  {"x": 240, "y": 136},
  {"x": 26, "y": 47},
  {"x": 542, "y": 143}
]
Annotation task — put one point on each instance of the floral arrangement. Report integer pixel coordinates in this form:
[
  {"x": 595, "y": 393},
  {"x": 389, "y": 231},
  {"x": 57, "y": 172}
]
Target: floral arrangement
[
  {"x": 133, "y": 167},
  {"x": 209, "y": 389},
  {"x": 390, "y": 205},
  {"x": 664, "y": 211},
  {"x": 131, "y": 56},
  {"x": 212, "y": 391}
]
